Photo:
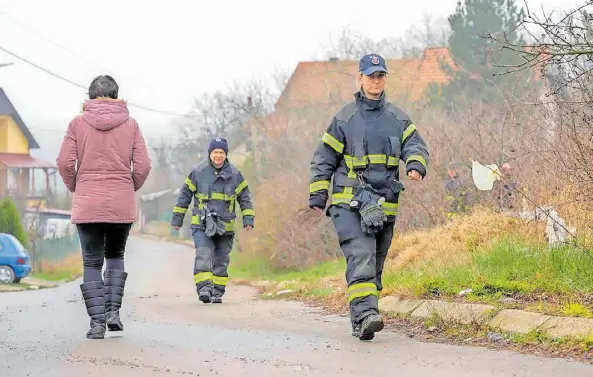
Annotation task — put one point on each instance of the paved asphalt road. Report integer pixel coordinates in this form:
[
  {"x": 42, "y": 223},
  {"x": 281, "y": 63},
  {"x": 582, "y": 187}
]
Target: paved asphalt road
[{"x": 168, "y": 333}]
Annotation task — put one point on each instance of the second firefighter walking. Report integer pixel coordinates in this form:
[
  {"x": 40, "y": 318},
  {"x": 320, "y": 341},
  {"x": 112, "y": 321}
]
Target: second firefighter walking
[{"x": 215, "y": 185}]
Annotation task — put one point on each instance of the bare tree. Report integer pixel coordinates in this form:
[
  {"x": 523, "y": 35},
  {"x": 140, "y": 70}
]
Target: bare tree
[
  {"x": 561, "y": 48},
  {"x": 229, "y": 112},
  {"x": 430, "y": 33},
  {"x": 351, "y": 44}
]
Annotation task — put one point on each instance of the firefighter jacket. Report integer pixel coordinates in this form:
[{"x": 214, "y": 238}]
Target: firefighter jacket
[
  {"x": 216, "y": 189},
  {"x": 367, "y": 139}
]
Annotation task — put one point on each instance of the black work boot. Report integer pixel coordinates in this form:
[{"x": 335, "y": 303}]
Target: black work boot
[
  {"x": 115, "y": 281},
  {"x": 217, "y": 300},
  {"x": 94, "y": 300},
  {"x": 205, "y": 296},
  {"x": 369, "y": 326},
  {"x": 355, "y": 329}
]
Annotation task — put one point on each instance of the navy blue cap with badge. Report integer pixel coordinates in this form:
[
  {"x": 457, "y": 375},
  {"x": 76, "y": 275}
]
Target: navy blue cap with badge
[{"x": 372, "y": 63}]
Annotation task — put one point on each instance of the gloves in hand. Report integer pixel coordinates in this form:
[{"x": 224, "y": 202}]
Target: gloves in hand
[
  {"x": 220, "y": 227},
  {"x": 372, "y": 217},
  {"x": 210, "y": 225},
  {"x": 369, "y": 202}
]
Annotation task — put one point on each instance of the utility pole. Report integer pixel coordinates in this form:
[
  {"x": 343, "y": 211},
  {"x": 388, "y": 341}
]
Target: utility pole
[{"x": 254, "y": 140}]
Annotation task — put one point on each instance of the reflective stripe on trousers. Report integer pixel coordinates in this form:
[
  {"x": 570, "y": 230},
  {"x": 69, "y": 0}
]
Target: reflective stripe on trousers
[
  {"x": 212, "y": 262},
  {"x": 365, "y": 257}
]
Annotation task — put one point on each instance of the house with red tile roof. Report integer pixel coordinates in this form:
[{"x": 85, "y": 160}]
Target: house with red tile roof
[
  {"x": 22, "y": 176},
  {"x": 317, "y": 89}
]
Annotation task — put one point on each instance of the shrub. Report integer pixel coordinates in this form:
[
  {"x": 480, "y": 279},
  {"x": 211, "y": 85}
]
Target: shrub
[{"x": 10, "y": 221}]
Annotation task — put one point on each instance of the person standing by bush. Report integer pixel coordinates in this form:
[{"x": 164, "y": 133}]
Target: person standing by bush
[{"x": 103, "y": 160}]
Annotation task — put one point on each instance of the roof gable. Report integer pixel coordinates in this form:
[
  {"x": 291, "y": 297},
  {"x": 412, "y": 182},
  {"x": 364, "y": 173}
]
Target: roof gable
[
  {"x": 6, "y": 108},
  {"x": 333, "y": 81}
]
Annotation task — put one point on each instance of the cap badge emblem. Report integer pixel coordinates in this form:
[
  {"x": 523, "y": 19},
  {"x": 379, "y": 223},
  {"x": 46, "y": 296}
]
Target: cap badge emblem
[{"x": 375, "y": 60}]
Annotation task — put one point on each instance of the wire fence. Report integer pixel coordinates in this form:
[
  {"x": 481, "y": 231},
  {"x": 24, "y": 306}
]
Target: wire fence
[{"x": 52, "y": 251}]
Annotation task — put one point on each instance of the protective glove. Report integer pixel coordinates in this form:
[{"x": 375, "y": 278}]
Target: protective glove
[
  {"x": 372, "y": 217},
  {"x": 210, "y": 225},
  {"x": 220, "y": 227},
  {"x": 368, "y": 201}
]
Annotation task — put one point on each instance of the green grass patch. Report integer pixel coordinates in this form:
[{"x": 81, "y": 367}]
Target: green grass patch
[
  {"x": 507, "y": 268},
  {"x": 65, "y": 275},
  {"x": 247, "y": 267},
  {"x": 556, "y": 281},
  {"x": 538, "y": 338}
]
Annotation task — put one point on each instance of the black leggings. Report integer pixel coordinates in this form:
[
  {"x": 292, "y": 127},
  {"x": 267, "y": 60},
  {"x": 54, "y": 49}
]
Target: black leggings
[{"x": 102, "y": 241}]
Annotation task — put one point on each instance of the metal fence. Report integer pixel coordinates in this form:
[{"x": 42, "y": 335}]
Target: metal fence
[{"x": 52, "y": 250}]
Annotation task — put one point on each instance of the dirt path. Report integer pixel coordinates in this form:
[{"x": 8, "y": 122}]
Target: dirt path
[{"x": 169, "y": 333}]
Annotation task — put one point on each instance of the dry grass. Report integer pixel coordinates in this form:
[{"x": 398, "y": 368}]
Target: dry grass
[
  {"x": 68, "y": 269},
  {"x": 495, "y": 255},
  {"x": 453, "y": 243}
]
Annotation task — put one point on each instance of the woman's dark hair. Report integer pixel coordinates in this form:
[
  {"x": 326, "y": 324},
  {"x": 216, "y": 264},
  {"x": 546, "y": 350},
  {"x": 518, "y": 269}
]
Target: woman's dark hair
[{"x": 103, "y": 86}]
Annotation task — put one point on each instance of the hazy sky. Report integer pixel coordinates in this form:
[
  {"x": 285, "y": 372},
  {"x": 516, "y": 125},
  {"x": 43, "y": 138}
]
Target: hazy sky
[{"x": 163, "y": 54}]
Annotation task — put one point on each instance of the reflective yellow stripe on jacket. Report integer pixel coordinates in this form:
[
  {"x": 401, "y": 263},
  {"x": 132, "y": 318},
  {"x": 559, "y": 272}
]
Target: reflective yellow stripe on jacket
[
  {"x": 318, "y": 186},
  {"x": 389, "y": 208},
  {"x": 370, "y": 159},
  {"x": 228, "y": 226}
]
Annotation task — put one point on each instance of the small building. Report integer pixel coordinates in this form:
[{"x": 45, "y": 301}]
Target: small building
[
  {"x": 23, "y": 177},
  {"x": 50, "y": 223}
]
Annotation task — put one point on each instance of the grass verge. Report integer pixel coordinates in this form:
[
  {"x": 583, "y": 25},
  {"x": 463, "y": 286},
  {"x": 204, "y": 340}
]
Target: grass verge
[
  {"x": 534, "y": 342},
  {"x": 493, "y": 258},
  {"x": 66, "y": 270}
]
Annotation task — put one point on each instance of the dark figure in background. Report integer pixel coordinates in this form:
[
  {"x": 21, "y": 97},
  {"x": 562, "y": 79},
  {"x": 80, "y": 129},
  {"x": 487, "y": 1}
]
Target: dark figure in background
[
  {"x": 507, "y": 192},
  {"x": 459, "y": 193}
]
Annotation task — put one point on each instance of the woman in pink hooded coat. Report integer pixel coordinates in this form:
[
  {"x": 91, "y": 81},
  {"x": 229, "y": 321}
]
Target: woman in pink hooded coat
[{"x": 103, "y": 160}]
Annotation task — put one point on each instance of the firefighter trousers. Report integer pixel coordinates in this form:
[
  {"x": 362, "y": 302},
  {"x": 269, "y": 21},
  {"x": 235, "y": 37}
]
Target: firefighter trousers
[
  {"x": 211, "y": 262},
  {"x": 365, "y": 258}
]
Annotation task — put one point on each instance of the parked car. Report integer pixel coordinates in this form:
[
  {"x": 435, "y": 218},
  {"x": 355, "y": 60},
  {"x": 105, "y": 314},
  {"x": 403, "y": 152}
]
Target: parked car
[{"x": 15, "y": 262}]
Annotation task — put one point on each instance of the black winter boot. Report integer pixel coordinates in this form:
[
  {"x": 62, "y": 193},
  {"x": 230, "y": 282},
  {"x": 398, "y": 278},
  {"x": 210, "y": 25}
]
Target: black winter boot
[
  {"x": 115, "y": 282},
  {"x": 369, "y": 326},
  {"x": 216, "y": 299},
  {"x": 92, "y": 293}
]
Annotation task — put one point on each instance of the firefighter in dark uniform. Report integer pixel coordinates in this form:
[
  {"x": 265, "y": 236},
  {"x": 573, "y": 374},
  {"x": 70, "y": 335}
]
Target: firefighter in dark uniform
[
  {"x": 362, "y": 149},
  {"x": 214, "y": 184},
  {"x": 459, "y": 194}
]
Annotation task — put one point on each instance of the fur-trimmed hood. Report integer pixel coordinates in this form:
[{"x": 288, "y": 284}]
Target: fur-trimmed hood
[{"x": 105, "y": 113}]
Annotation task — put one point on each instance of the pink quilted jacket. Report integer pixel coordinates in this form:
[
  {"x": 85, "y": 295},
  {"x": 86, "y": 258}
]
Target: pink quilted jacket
[{"x": 103, "y": 160}]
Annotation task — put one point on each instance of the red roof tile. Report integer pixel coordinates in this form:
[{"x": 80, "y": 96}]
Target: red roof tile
[{"x": 323, "y": 86}]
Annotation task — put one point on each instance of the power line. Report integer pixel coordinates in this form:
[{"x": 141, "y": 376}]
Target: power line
[
  {"x": 81, "y": 86},
  {"x": 13, "y": 19}
]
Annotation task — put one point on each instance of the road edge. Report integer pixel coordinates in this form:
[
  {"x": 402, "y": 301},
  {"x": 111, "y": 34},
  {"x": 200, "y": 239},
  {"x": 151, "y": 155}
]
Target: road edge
[{"x": 449, "y": 314}]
